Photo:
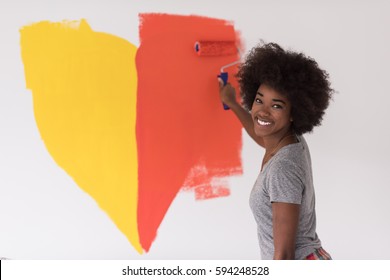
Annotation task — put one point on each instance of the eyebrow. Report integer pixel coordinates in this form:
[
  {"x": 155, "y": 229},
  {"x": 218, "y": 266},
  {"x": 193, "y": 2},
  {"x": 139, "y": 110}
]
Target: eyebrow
[{"x": 275, "y": 100}]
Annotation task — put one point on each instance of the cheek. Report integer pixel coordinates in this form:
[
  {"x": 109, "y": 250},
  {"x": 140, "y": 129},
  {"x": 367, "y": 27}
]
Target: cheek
[
  {"x": 252, "y": 113},
  {"x": 283, "y": 116},
  {"x": 253, "y": 110},
  {"x": 289, "y": 116},
  {"x": 252, "y": 107}
]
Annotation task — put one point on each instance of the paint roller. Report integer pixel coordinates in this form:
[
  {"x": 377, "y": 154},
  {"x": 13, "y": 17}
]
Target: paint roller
[{"x": 218, "y": 48}]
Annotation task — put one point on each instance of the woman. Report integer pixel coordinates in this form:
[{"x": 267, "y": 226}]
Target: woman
[{"x": 285, "y": 95}]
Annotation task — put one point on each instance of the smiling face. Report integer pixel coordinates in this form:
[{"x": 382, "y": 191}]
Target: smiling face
[{"x": 271, "y": 114}]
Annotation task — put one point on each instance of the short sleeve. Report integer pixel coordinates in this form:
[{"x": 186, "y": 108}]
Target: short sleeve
[{"x": 285, "y": 182}]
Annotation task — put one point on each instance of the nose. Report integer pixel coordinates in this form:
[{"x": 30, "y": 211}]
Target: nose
[{"x": 264, "y": 113}]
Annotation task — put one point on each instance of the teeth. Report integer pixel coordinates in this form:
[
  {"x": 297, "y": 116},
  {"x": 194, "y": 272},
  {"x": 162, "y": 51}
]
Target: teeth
[{"x": 263, "y": 122}]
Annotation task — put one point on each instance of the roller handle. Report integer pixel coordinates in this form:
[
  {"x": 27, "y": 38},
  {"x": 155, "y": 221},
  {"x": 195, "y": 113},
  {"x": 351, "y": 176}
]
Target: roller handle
[{"x": 223, "y": 76}]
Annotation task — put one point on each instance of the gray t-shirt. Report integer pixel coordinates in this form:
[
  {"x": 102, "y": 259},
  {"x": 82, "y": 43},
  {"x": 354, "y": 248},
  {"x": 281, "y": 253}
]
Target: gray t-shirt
[{"x": 286, "y": 177}]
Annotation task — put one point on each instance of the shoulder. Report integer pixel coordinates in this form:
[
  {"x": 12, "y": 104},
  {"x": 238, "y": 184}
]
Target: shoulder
[
  {"x": 291, "y": 157},
  {"x": 285, "y": 180},
  {"x": 285, "y": 168},
  {"x": 292, "y": 161}
]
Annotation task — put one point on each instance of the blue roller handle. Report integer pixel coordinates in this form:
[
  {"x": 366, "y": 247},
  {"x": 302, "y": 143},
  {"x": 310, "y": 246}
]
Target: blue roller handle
[{"x": 224, "y": 77}]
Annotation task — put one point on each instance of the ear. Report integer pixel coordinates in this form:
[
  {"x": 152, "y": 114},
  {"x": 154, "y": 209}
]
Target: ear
[{"x": 291, "y": 119}]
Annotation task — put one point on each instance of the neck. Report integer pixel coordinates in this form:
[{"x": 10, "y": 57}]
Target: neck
[{"x": 272, "y": 142}]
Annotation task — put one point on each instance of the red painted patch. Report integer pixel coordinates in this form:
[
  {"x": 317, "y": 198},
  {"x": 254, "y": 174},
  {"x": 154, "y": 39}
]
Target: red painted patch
[{"x": 181, "y": 124}]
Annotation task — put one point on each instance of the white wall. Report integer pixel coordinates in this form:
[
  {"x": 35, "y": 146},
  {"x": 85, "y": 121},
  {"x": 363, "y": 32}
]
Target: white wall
[{"x": 44, "y": 215}]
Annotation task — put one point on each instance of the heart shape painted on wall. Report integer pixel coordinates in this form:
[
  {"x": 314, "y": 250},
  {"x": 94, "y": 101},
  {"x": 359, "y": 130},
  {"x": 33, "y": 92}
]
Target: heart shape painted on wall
[{"x": 133, "y": 126}]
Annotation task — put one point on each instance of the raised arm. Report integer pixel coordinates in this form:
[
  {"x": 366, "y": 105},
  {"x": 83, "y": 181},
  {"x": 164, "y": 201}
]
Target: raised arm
[{"x": 228, "y": 97}]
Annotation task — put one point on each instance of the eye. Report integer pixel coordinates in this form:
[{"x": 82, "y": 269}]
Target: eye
[
  {"x": 258, "y": 100},
  {"x": 277, "y": 106}
]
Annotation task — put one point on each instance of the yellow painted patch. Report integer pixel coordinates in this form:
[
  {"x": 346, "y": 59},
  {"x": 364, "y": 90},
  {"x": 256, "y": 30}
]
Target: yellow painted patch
[{"x": 84, "y": 86}]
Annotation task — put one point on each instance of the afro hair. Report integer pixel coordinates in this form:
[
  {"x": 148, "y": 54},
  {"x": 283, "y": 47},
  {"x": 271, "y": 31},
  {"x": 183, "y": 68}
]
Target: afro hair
[{"x": 293, "y": 75}]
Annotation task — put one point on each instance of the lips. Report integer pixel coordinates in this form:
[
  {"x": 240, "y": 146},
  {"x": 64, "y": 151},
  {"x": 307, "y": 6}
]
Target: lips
[{"x": 263, "y": 122}]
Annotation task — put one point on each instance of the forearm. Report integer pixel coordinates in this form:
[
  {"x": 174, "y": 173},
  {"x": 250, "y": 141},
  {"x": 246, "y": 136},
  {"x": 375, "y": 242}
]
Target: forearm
[{"x": 247, "y": 122}]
